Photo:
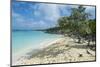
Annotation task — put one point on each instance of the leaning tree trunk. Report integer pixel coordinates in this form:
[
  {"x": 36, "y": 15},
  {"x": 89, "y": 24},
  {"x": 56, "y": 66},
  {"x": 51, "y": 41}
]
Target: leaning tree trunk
[
  {"x": 79, "y": 39},
  {"x": 88, "y": 43},
  {"x": 93, "y": 39},
  {"x": 89, "y": 39},
  {"x": 95, "y": 42}
]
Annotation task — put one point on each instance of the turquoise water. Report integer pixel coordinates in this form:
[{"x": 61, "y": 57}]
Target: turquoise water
[{"x": 24, "y": 39}]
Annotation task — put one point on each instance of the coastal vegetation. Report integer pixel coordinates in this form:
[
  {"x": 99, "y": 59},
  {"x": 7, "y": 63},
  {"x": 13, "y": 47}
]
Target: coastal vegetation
[
  {"x": 77, "y": 42},
  {"x": 78, "y": 24}
]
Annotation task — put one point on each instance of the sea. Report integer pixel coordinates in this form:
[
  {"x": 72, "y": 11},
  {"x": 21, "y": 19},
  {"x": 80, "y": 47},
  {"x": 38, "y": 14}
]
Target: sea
[{"x": 22, "y": 40}]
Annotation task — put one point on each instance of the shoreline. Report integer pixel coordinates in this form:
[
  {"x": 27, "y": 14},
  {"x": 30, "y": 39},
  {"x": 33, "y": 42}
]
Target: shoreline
[
  {"x": 29, "y": 49},
  {"x": 63, "y": 49}
]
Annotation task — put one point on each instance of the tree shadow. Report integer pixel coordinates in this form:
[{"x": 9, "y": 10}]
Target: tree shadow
[
  {"x": 92, "y": 47},
  {"x": 80, "y": 46}
]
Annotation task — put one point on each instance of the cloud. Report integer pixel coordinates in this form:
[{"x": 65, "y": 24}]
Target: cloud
[
  {"x": 40, "y": 15},
  {"x": 21, "y": 22},
  {"x": 37, "y": 13},
  {"x": 91, "y": 11},
  {"x": 51, "y": 12},
  {"x": 48, "y": 11}
]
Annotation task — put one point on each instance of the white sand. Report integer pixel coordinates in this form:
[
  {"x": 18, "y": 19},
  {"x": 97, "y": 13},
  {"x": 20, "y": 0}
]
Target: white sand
[
  {"x": 20, "y": 56},
  {"x": 60, "y": 50}
]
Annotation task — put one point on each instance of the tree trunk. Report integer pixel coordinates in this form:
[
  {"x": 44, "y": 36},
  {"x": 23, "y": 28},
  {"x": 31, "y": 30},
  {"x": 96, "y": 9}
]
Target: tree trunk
[
  {"x": 79, "y": 39},
  {"x": 88, "y": 42},
  {"x": 95, "y": 42}
]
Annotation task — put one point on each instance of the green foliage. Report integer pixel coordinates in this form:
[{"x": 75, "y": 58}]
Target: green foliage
[
  {"x": 92, "y": 25},
  {"x": 78, "y": 22}
]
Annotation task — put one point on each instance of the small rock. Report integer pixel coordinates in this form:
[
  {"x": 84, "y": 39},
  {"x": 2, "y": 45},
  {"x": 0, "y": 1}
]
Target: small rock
[{"x": 80, "y": 55}]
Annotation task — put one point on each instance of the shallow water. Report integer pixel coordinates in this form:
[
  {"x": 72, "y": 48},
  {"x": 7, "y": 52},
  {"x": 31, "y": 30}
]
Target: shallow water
[{"x": 24, "y": 39}]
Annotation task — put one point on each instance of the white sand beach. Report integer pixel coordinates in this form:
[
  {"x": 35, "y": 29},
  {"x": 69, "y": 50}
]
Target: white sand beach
[
  {"x": 64, "y": 49},
  {"x": 17, "y": 57}
]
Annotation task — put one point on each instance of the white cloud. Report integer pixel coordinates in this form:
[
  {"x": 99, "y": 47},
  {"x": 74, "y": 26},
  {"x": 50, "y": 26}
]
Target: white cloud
[
  {"x": 42, "y": 22},
  {"x": 37, "y": 13},
  {"x": 15, "y": 15},
  {"x": 89, "y": 7},
  {"x": 19, "y": 22},
  {"x": 50, "y": 11},
  {"x": 44, "y": 13},
  {"x": 91, "y": 11}
]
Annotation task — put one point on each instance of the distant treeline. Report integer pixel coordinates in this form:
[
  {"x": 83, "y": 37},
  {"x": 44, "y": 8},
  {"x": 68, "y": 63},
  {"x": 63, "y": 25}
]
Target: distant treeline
[
  {"x": 78, "y": 24},
  {"x": 29, "y": 30}
]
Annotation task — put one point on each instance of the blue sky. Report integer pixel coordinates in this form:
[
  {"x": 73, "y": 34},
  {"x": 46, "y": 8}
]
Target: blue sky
[{"x": 30, "y": 15}]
